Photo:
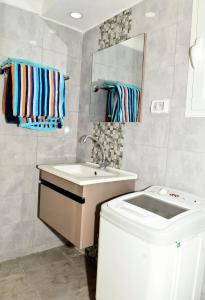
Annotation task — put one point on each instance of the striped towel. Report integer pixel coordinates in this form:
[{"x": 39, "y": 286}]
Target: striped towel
[
  {"x": 38, "y": 95},
  {"x": 123, "y": 102}
]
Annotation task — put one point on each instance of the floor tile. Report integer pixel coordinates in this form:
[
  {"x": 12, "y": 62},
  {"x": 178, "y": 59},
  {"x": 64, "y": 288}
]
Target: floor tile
[
  {"x": 62, "y": 273},
  {"x": 15, "y": 287},
  {"x": 40, "y": 259},
  {"x": 10, "y": 267}
]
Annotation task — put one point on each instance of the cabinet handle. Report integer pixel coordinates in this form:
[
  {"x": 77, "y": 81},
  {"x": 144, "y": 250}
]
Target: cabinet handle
[{"x": 63, "y": 192}]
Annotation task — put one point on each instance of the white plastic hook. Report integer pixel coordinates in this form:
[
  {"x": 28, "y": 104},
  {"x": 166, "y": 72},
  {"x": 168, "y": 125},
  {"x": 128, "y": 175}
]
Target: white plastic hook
[{"x": 195, "y": 53}]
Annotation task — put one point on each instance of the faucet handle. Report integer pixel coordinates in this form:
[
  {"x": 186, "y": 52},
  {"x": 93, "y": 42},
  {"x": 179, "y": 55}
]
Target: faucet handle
[{"x": 82, "y": 139}]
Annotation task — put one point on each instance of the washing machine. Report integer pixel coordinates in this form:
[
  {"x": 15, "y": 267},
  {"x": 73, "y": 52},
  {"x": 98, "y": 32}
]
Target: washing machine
[{"x": 151, "y": 246}]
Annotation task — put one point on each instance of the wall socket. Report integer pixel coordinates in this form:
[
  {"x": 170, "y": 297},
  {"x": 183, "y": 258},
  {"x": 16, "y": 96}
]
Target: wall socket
[{"x": 160, "y": 106}]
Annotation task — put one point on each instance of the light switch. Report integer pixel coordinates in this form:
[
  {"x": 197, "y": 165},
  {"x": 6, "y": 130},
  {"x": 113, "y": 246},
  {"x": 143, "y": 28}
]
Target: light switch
[{"x": 160, "y": 106}]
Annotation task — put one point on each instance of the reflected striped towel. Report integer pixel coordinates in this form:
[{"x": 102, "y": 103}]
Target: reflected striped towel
[
  {"x": 123, "y": 102},
  {"x": 38, "y": 95}
]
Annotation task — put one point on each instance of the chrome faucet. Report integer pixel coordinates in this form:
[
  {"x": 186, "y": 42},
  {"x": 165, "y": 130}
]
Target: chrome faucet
[{"x": 84, "y": 139}]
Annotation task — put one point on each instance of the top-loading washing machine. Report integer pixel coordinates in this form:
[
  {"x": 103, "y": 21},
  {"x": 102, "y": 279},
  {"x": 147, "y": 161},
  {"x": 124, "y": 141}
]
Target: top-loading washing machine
[{"x": 151, "y": 246}]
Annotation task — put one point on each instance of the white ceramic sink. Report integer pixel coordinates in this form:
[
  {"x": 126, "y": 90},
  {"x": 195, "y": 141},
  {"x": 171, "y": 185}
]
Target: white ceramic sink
[
  {"x": 87, "y": 173},
  {"x": 83, "y": 171}
]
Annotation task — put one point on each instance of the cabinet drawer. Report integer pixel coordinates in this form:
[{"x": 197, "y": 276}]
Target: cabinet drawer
[{"x": 61, "y": 213}]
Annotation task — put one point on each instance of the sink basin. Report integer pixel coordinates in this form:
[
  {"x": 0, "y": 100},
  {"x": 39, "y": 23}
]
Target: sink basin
[
  {"x": 87, "y": 173},
  {"x": 83, "y": 171}
]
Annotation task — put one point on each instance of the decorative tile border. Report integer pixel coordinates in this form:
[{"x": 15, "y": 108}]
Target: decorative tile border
[
  {"x": 116, "y": 29},
  {"x": 111, "y": 135}
]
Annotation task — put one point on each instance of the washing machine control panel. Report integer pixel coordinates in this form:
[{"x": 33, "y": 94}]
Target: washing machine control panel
[{"x": 176, "y": 196}]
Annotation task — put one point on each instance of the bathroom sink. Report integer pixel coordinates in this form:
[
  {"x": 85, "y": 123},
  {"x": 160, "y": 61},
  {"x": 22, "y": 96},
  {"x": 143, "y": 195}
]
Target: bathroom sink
[
  {"x": 87, "y": 173},
  {"x": 83, "y": 171}
]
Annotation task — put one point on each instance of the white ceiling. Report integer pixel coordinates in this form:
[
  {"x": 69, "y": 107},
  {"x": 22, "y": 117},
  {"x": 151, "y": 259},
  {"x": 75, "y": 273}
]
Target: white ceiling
[{"x": 94, "y": 11}]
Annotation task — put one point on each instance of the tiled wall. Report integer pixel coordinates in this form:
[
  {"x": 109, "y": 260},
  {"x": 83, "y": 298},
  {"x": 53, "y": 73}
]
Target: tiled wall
[
  {"x": 162, "y": 149},
  {"x": 22, "y": 149}
]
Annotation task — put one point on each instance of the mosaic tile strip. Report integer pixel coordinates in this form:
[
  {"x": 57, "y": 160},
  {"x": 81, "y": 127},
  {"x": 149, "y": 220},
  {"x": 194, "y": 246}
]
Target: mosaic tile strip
[
  {"x": 111, "y": 135},
  {"x": 116, "y": 29}
]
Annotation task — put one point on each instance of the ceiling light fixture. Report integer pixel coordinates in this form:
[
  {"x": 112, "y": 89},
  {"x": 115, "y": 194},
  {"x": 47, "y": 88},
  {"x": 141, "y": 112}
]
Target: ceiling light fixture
[
  {"x": 52, "y": 31},
  {"x": 33, "y": 42},
  {"x": 76, "y": 15},
  {"x": 150, "y": 14}
]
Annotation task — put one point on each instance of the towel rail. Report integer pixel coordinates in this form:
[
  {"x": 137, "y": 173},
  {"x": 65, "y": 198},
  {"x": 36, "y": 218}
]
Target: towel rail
[
  {"x": 2, "y": 71},
  {"x": 106, "y": 85}
]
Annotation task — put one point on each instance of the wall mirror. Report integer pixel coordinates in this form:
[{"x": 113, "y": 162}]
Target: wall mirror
[{"x": 117, "y": 80}]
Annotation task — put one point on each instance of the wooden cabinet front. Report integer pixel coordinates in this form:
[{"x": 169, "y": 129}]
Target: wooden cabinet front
[
  {"x": 61, "y": 213},
  {"x": 74, "y": 211}
]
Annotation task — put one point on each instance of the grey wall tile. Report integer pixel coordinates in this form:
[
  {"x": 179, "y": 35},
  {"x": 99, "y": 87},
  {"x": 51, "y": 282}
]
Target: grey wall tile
[
  {"x": 12, "y": 204},
  {"x": 90, "y": 42},
  {"x": 180, "y": 86},
  {"x": 68, "y": 131},
  {"x": 20, "y": 49},
  {"x": 158, "y": 85},
  {"x": 183, "y": 42},
  {"x": 85, "y": 88},
  {"x": 186, "y": 133},
  {"x": 73, "y": 94},
  {"x": 161, "y": 54},
  {"x": 19, "y": 28},
  {"x": 15, "y": 237},
  {"x": 84, "y": 152},
  {"x": 152, "y": 131},
  {"x": 53, "y": 42},
  {"x": 37, "y": 27},
  {"x": 42, "y": 235},
  {"x": 84, "y": 126},
  {"x": 13, "y": 150},
  {"x": 166, "y": 14},
  {"x": 74, "y": 42},
  {"x": 12, "y": 130},
  {"x": 186, "y": 171},
  {"x": 20, "y": 208},
  {"x": 185, "y": 10},
  {"x": 148, "y": 162},
  {"x": 74, "y": 69},
  {"x": 60, "y": 150},
  {"x": 55, "y": 59},
  {"x": 71, "y": 123},
  {"x": 66, "y": 36},
  {"x": 15, "y": 180}
]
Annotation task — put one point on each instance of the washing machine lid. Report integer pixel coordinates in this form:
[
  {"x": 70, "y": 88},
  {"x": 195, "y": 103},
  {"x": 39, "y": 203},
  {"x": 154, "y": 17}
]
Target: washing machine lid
[
  {"x": 157, "y": 217},
  {"x": 155, "y": 206}
]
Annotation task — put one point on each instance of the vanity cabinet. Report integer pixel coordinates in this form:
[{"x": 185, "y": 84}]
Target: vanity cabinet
[{"x": 73, "y": 210}]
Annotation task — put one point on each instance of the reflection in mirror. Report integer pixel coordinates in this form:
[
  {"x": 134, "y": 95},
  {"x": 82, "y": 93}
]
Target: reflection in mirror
[{"x": 117, "y": 79}]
